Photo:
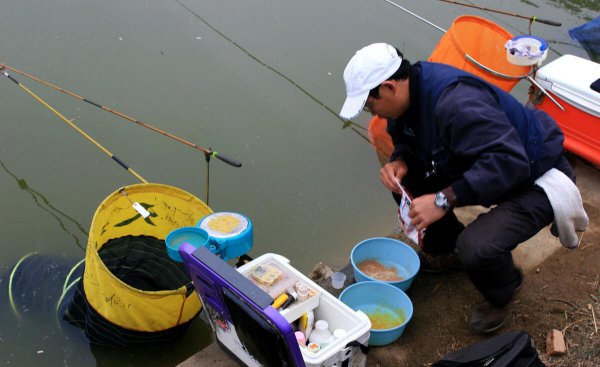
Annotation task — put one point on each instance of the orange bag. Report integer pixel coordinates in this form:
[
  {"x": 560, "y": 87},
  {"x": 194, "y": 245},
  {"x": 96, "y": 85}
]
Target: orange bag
[{"x": 381, "y": 140}]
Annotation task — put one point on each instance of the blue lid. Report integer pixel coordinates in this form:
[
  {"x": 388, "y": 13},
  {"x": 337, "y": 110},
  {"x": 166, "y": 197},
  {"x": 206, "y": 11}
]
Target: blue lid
[{"x": 543, "y": 43}]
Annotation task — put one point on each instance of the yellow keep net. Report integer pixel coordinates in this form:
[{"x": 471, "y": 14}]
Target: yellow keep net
[{"x": 118, "y": 302}]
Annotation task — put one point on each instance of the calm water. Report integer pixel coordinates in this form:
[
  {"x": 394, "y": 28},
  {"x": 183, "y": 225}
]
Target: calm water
[{"x": 259, "y": 81}]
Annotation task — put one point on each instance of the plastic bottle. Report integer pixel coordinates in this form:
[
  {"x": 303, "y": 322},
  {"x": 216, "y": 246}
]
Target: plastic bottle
[
  {"x": 307, "y": 322},
  {"x": 300, "y": 337},
  {"x": 321, "y": 334},
  {"x": 302, "y": 290}
]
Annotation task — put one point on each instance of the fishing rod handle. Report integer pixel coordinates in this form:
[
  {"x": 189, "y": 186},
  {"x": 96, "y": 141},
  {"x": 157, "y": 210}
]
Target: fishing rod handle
[
  {"x": 230, "y": 161},
  {"x": 546, "y": 21}
]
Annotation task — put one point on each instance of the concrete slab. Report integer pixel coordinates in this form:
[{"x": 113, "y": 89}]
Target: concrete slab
[{"x": 212, "y": 356}]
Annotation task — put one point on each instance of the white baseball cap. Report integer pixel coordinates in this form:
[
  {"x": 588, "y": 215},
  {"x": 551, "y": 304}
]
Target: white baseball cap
[{"x": 369, "y": 67}]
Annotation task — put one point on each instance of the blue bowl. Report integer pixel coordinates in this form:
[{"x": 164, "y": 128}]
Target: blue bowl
[
  {"x": 389, "y": 253},
  {"x": 193, "y": 235},
  {"x": 383, "y": 303}
]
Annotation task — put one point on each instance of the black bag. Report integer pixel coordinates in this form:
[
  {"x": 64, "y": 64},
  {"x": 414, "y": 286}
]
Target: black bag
[{"x": 512, "y": 349}]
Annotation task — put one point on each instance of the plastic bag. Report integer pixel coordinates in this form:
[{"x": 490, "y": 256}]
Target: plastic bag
[{"x": 409, "y": 230}]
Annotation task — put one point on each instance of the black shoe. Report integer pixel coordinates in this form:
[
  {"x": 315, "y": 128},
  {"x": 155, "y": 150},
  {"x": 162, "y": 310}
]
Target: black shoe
[
  {"x": 487, "y": 318},
  {"x": 439, "y": 263}
]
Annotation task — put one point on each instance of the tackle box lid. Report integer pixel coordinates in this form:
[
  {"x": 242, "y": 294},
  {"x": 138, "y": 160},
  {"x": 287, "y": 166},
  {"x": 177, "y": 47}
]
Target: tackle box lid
[
  {"x": 236, "y": 297},
  {"x": 265, "y": 334},
  {"x": 571, "y": 78}
]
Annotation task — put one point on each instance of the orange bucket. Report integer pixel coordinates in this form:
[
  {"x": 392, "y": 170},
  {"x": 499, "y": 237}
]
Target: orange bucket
[
  {"x": 484, "y": 41},
  {"x": 381, "y": 140}
]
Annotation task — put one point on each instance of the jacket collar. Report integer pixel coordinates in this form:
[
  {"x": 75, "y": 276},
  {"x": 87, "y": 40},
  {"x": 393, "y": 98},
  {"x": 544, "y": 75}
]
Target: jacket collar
[{"x": 410, "y": 119}]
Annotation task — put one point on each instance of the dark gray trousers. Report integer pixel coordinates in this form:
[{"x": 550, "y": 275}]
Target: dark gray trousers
[{"x": 484, "y": 246}]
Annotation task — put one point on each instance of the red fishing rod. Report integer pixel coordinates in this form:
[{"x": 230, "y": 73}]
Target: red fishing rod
[{"x": 531, "y": 19}]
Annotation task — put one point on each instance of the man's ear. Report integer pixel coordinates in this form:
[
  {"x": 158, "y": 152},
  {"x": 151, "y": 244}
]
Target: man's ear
[{"x": 389, "y": 86}]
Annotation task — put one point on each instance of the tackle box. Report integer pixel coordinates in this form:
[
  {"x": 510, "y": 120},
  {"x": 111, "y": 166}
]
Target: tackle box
[{"x": 238, "y": 303}]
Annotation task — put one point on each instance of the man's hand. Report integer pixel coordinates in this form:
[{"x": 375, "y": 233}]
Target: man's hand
[
  {"x": 424, "y": 212},
  {"x": 392, "y": 171}
]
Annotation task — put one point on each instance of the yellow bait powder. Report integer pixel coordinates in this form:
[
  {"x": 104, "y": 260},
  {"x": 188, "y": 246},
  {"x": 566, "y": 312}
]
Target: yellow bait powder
[
  {"x": 385, "y": 319},
  {"x": 223, "y": 223}
]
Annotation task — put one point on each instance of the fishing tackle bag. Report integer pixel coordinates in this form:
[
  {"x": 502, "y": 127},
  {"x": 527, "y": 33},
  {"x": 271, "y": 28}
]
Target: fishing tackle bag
[{"x": 514, "y": 349}]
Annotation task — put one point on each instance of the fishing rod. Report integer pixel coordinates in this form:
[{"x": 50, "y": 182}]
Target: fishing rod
[
  {"x": 531, "y": 19},
  {"x": 208, "y": 152},
  {"x": 416, "y": 16},
  {"x": 70, "y": 123},
  {"x": 349, "y": 123}
]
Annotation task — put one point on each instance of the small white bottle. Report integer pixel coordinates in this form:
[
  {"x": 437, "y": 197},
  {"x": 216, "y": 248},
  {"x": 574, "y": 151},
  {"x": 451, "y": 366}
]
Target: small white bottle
[{"x": 321, "y": 334}]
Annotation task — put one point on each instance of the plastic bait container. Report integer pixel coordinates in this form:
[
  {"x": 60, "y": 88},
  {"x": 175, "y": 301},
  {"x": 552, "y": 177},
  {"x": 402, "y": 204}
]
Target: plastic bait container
[{"x": 231, "y": 233}]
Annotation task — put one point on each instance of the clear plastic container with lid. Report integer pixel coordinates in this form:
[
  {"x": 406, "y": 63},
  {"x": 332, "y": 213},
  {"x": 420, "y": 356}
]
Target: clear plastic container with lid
[{"x": 321, "y": 334}]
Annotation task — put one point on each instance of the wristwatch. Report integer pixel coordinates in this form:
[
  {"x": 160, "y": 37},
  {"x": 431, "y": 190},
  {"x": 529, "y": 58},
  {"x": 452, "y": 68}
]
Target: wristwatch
[{"x": 441, "y": 201}]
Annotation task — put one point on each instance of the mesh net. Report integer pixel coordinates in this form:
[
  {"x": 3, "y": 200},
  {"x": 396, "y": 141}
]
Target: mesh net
[
  {"x": 588, "y": 35},
  {"x": 484, "y": 41},
  {"x": 142, "y": 263},
  {"x": 132, "y": 293}
]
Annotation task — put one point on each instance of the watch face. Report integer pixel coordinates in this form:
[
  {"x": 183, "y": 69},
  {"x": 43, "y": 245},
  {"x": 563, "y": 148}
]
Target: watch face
[{"x": 440, "y": 200}]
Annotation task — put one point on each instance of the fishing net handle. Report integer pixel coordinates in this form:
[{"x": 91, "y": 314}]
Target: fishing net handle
[
  {"x": 513, "y": 77},
  {"x": 497, "y": 73}
]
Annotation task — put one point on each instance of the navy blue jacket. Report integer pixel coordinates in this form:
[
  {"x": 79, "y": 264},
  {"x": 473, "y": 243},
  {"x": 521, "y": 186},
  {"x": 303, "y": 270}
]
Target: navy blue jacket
[{"x": 464, "y": 133}]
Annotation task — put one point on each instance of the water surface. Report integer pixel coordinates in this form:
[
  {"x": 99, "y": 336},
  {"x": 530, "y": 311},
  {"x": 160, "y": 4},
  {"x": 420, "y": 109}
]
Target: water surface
[{"x": 259, "y": 81}]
